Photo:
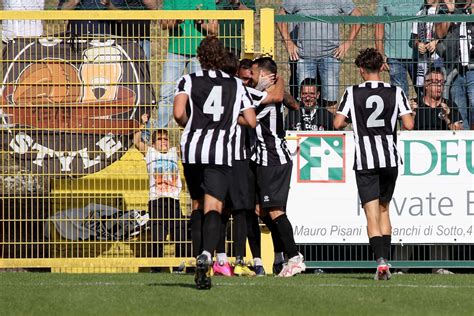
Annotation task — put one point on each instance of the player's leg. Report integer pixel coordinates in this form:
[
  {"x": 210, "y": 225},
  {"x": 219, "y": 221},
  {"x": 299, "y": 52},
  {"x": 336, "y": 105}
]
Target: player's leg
[
  {"x": 278, "y": 248},
  {"x": 242, "y": 197},
  {"x": 254, "y": 239},
  {"x": 215, "y": 185},
  {"x": 388, "y": 181},
  {"x": 274, "y": 184},
  {"x": 222, "y": 266},
  {"x": 368, "y": 184}
]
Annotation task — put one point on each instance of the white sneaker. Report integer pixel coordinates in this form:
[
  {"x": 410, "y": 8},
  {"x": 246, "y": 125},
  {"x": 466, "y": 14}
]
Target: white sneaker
[{"x": 294, "y": 266}]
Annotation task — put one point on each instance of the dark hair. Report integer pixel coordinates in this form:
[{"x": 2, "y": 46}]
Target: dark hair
[
  {"x": 230, "y": 63},
  {"x": 266, "y": 63},
  {"x": 211, "y": 53},
  {"x": 160, "y": 131},
  {"x": 309, "y": 82},
  {"x": 434, "y": 70},
  {"x": 369, "y": 59},
  {"x": 245, "y": 63}
]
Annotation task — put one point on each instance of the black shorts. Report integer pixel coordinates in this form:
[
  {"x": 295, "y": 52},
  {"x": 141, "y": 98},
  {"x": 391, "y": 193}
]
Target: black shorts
[
  {"x": 273, "y": 185},
  {"x": 242, "y": 189},
  {"x": 376, "y": 184},
  {"x": 213, "y": 180}
]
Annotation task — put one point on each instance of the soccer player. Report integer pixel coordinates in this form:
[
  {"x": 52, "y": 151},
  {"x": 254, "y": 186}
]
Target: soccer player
[
  {"x": 373, "y": 108},
  {"x": 208, "y": 105},
  {"x": 241, "y": 197},
  {"x": 273, "y": 171}
]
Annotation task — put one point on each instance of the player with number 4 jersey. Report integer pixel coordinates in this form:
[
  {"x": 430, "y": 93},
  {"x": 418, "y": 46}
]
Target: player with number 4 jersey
[{"x": 208, "y": 105}]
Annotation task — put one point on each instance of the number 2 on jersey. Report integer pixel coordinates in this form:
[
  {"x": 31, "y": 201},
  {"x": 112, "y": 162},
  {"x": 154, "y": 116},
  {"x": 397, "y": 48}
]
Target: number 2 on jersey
[
  {"x": 372, "y": 121},
  {"x": 213, "y": 104}
]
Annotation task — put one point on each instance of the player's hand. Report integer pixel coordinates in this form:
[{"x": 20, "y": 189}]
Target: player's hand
[
  {"x": 421, "y": 48},
  {"x": 265, "y": 81},
  {"x": 341, "y": 51},
  {"x": 292, "y": 50}
]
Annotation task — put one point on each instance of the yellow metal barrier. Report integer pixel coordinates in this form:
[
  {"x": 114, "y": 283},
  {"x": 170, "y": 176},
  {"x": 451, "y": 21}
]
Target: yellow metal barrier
[{"x": 70, "y": 109}]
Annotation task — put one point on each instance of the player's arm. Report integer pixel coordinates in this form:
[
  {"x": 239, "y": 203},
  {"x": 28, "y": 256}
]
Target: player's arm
[
  {"x": 408, "y": 121},
  {"x": 275, "y": 93},
  {"x": 290, "y": 102},
  {"x": 181, "y": 100},
  {"x": 342, "y": 115},
  {"x": 248, "y": 118},
  {"x": 179, "y": 109},
  {"x": 137, "y": 137},
  {"x": 340, "y": 121}
]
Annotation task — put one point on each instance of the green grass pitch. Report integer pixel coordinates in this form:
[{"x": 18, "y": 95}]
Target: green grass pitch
[{"x": 171, "y": 294}]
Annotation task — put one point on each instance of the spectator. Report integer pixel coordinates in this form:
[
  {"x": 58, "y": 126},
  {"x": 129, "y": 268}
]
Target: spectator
[
  {"x": 137, "y": 29},
  {"x": 310, "y": 117},
  {"x": 184, "y": 38},
  {"x": 165, "y": 187},
  {"x": 393, "y": 41},
  {"x": 459, "y": 56},
  {"x": 434, "y": 112},
  {"x": 425, "y": 41},
  {"x": 230, "y": 31},
  {"x": 318, "y": 49},
  {"x": 88, "y": 27},
  {"x": 12, "y": 29}
]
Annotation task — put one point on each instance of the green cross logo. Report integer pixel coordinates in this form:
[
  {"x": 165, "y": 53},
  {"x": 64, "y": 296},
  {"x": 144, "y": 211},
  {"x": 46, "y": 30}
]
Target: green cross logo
[{"x": 321, "y": 159}]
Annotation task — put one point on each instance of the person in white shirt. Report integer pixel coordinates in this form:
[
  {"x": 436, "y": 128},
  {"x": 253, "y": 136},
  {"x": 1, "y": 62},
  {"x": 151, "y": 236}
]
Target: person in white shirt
[
  {"x": 165, "y": 187},
  {"x": 12, "y": 29}
]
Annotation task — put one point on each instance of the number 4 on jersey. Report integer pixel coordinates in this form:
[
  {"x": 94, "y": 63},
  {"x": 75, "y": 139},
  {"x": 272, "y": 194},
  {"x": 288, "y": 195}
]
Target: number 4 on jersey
[{"x": 213, "y": 104}]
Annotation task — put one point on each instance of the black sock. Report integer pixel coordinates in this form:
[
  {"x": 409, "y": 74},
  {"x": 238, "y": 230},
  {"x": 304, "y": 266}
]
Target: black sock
[
  {"x": 196, "y": 231},
  {"x": 387, "y": 243},
  {"x": 210, "y": 231},
  {"x": 253, "y": 233},
  {"x": 222, "y": 234},
  {"x": 376, "y": 243},
  {"x": 277, "y": 243},
  {"x": 240, "y": 232},
  {"x": 286, "y": 234}
]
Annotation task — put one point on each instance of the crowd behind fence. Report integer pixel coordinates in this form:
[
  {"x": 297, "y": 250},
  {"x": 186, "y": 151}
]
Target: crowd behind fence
[{"x": 74, "y": 92}]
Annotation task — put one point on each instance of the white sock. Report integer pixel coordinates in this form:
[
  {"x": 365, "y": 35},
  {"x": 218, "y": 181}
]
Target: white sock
[
  {"x": 279, "y": 258},
  {"x": 222, "y": 258},
  {"x": 208, "y": 255},
  {"x": 257, "y": 262}
]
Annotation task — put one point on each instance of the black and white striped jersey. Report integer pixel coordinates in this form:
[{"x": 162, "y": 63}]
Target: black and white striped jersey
[
  {"x": 374, "y": 107},
  {"x": 270, "y": 147},
  {"x": 244, "y": 139},
  {"x": 215, "y": 102}
]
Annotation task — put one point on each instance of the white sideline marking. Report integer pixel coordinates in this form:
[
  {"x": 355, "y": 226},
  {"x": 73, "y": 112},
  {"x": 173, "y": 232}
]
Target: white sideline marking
[{"x": 376, "y": 284}]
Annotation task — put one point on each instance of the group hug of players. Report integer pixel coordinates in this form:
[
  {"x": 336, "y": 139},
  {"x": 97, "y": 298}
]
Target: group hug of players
[{"x": 235, "y": 157}]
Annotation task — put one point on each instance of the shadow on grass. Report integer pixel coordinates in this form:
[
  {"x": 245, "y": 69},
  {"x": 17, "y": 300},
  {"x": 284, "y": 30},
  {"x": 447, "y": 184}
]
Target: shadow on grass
[
  {"x": 182, "y": 285},
  {"x": 361, "y": 277}
]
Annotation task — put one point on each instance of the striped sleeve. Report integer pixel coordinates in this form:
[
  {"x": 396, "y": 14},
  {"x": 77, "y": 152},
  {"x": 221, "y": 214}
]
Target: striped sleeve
[
  {"x": 346, "y": 103},
  {"x": 402, "y": 103},
  {"x": 257, "y": 96},
  {"x": 183, "y": 85},
  {"x": 247, "y": 102}
]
